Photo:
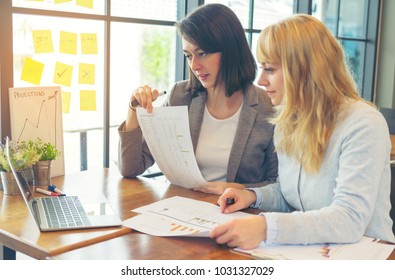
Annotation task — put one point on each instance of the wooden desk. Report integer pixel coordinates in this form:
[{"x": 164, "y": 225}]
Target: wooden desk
[
  {"x": 19, "y": 232},
  {"x": 392, "y": 147},
  {"x": 139, "y": 246}
]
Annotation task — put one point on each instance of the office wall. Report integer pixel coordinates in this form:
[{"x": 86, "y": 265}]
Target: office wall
[{"x": 385, "y": 90}]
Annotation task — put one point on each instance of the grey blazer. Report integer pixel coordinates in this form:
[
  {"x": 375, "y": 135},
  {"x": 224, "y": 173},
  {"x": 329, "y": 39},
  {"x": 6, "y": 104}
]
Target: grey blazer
[{"x": 252, "y": 160}]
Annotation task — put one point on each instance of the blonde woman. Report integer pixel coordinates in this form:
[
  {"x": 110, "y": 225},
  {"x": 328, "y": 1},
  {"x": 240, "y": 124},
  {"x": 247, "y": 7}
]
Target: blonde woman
[{"x": 333, "y": 148}]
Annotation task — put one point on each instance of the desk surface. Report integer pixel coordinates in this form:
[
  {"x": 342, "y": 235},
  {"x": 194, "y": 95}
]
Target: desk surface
[
  {"x": 19, "y": 231},
  {"x": 136, "y": 245}
]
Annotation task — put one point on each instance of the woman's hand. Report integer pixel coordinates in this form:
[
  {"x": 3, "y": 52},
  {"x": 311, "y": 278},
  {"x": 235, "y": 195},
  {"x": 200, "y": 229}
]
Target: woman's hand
[
  {"x": 145, "y": 95},
  {"x": 218, "y": 187},
  {"x": 245, "y": 233},
  {"x": 242, "y": 199}
]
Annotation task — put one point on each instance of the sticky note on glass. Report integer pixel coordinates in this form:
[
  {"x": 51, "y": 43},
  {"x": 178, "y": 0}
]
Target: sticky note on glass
[
  {"x": 63, "y": 74},
  {"x": 86, "y": 74},
  {"x": 68, "y": 42},
  {"x": 66, "y": 97},
  {"x": 88, "y": 43},
  {"x": 32, "y": 71},
  {"x": 42, "y": 40},
  {"x": 87, "y": 100},
  {"x": 85, "y": 3}
]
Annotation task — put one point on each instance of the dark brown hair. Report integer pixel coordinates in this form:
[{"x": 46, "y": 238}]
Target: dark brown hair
[{"x": 216, "y": 28}]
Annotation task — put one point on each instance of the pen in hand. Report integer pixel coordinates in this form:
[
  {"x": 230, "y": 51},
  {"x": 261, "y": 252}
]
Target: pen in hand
[
  {"x": 230, "y": 201},
  {"x": 135, "y": 103}
]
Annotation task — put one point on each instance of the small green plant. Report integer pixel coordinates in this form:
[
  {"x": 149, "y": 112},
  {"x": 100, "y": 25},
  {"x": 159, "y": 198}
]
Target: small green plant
[
  {"x": 46, "y": 150},
  {"x": 22, "y": 156}
]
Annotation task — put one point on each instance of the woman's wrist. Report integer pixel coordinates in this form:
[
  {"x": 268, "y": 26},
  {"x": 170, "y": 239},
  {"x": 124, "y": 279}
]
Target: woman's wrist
[{"x": 252, "y": 197}]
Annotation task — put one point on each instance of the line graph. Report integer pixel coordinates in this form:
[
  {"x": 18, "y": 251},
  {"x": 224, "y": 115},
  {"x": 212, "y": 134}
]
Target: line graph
[
  {"x": 51, "y": 123},
  {"x": 35, "y": 112}
]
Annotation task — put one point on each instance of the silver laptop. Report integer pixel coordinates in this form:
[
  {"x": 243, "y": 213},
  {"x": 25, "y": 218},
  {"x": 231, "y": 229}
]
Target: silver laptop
[{"x": 63, "y": 212}]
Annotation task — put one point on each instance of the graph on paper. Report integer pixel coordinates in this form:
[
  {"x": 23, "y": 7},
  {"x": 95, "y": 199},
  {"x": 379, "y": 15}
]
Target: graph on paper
[
  {"x": 177, "y": 227},
  {"x": 179, "y": 216}
]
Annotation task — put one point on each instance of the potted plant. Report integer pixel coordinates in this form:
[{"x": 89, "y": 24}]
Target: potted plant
[
  {"x": 42, "y": 168},
  {"x": 23, "y": 157}
]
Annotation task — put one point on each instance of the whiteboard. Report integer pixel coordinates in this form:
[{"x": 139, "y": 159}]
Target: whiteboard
[{"x": 37, "y": 112}]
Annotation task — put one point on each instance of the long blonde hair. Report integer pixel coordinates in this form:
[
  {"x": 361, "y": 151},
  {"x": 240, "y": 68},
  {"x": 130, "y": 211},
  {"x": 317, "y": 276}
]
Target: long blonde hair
[{"x": 317, "y": 83}]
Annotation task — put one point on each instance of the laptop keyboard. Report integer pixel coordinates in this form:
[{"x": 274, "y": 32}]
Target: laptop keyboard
[{"x": 64, "y": 212}]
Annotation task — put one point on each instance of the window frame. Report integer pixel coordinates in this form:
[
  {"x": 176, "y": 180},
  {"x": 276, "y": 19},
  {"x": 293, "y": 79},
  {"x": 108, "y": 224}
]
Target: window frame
[
  {"x": 184, "y": 7},
  {"x": 370, "y": 60},
  {"x": 7, "y": 78}
]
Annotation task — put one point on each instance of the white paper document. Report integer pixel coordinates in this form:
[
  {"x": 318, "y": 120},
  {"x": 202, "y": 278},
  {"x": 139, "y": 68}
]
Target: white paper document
[
  {"x": 179, "y": 216},
  {"x": 166, "y": 131},
  {"x": 366, "y": 249}
]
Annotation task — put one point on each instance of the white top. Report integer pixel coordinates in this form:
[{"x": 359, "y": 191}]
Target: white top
[{"x": 214, "y": 145}]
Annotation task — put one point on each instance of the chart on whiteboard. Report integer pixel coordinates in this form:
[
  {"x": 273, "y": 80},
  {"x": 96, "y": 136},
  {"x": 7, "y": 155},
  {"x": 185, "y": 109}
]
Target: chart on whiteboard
[{"x": 36, "y": 112}]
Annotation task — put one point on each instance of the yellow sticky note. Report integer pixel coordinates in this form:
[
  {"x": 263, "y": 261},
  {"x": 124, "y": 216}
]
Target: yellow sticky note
[
  {"x": 63, "y": 74},
  {"x": 86, "y": 74},
  {"x": 88, "y": 43},
  {"x": 68, "y": 42},
  {"x": 62, "y": 1},
  {"x": 42, "y": 40},
  {"x": 87, "y": 100},
  {"x": 32, "y": 71},
  {"x": 66, "y": 97},
  {"x": 85, "y": 3}
]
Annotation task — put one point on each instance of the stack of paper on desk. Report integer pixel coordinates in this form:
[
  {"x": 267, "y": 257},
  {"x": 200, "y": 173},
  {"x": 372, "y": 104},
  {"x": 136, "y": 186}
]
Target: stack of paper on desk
[
  {"x": 179, "y": 216},
  {"x": 167, "y": 134},
  {"x": 366, "y": 249}
]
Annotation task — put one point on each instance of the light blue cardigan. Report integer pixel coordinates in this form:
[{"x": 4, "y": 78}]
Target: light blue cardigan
[{"x": 350, "y": 195}]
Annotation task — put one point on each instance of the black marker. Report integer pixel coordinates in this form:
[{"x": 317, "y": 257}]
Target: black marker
[{"x": 230, "y": 201}]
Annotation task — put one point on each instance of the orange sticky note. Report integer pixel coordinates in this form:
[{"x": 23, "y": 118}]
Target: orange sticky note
[
  {"x": 88, "y": 43},
  {"x": 66, "y": 97},
  {"x": 68, "y": 42},
  {"x": 87, "y": 100},
  {"x": 32, "y": 71},
  {"x": 63, "y": 74},
  {"x": 85, "y": 3},
  {"x": 42, "y": 40},
  {"x": 86, "y": 74}
]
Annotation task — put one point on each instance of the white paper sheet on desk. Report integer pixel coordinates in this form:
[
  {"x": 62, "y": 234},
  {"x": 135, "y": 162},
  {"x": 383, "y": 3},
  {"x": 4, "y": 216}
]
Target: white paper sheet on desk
[
  {"x": 366, "y": 249},
  {"x": 179, "y": 216},
  {"x": 167, "y": 134}
]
